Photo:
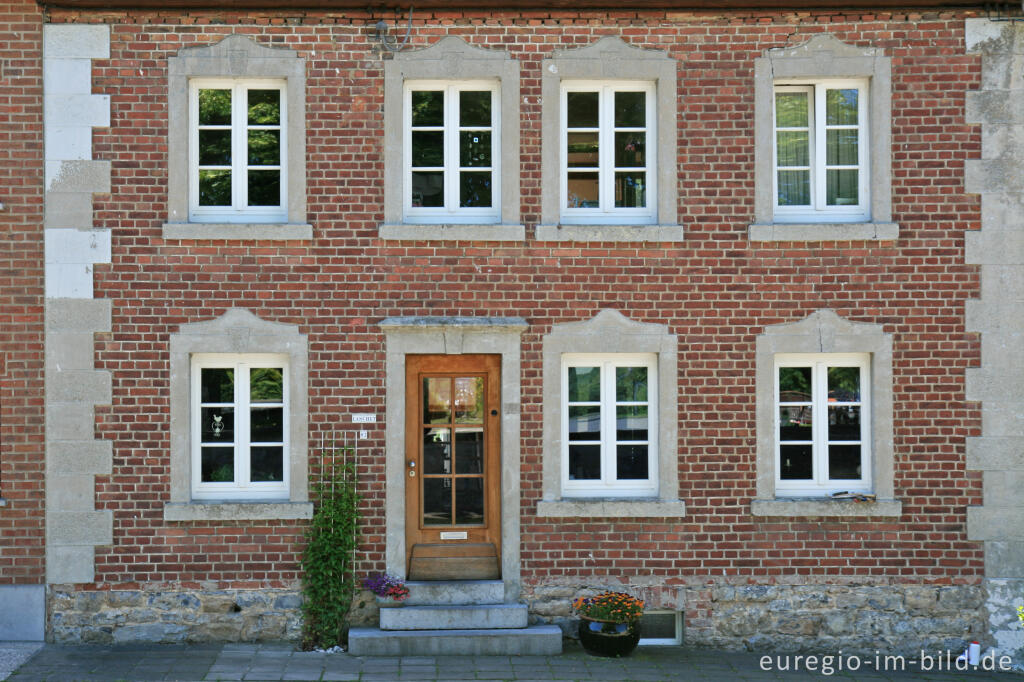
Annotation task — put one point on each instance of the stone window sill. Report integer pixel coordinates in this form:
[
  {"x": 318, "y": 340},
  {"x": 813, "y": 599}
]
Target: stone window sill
[
  {"x": 604, "y": 508},
  {"x": 822, "y": 232},
  {"x": 453, "y": 232},
  {"x": 239, "y": 231},
  {"x": 609, "y": 233},
  {"x": 801, "y": 506},
  {"x": 237, "y": 511}
]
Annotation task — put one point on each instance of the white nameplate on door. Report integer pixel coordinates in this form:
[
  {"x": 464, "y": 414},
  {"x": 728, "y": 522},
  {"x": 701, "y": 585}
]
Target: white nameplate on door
[{"x": 454, "y": 535}]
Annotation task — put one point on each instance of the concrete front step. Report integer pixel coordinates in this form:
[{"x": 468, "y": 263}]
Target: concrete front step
[
  {"x": 454, "y": 617},
  {"x": 535, "y": 640},
  {"x": 454, "y": 592}
]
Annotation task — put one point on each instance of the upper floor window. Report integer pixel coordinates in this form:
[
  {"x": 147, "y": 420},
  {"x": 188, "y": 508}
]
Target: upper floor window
[
  {"x": 608, "y": 152},
  {"x": 452, "y": 143},
  {"x": 820, "y": 152}
]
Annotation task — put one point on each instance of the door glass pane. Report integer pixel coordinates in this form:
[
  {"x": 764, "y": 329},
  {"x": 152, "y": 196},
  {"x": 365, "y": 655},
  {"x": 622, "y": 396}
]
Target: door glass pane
[
  {"x": 437, "y": 501},
  {"x": 214, "y": 107},
  {"x": 218, "y": 385},
  {"x": 631, "y": 384},
  {"x": 841, "y": 187},
  {"x": 265, "y": 188},
  {"x": 794, "y": 188},
  {"x": 214, "y": 188},
  {"x": 631, "y": 462},
  {"x": 630, "y": 190},
  {"x": 844, "y": 422},
  {"x": 584, "y": 462},
  {"x": 795, "y": 462},
  {"x": 475, "y": 190},
  {"x": 475, "y": 108},
  {"x": 218, "y": 424},
  {"x": 630, "y": 109},
  {"x": 584, "y": 384},
  {"x": 469, "y": 501},
  {"x": 581, "y": 109},
  {"x": 437, "y": 451},
  {"x": 844, "y": 462},
  {"x": 469, "y": 451},
  {"x": 267, "y": 464},
  {"x": 218, "y": 465},
  {"x": 469, "y": 400},
  {"x": 214, "y": 147},
  {"x": 266, "y": 385},
  {"x": 428, "y": 108},
  {"x": 264, "y": 107},
  {"x": 475, "y": 148},
  {"x": 631, "y": 422},
  {"x": 427, "y": 148},
  {"x": 844, "y": 384},
  {"x": 840, "y": 147},
  {"x": 792, "y": 148},
  {"x": 795, "y": 423},
  {"x": 582, "y": 150},
  {"x": 266, "y": 425},
  {"x": 583, "y": 191},
  {"x": 791, "y": 109},
  {"x": 437, "y": 400},
  {"x": 629, "y": 150},
  {"x": 841, "y": 107},
  {"x": 264, "y": 147},
  {"x": 794, "y": 384},
  {"x": 585, "y": 422}
]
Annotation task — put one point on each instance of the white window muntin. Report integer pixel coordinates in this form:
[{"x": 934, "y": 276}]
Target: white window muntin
[
  {"x": 819, "y": 405},
  {"x": 817, "y": 208},
  {"x": 608, "y": 484},
  {"x": 239, "y": 211},
  {"x": 451, "y": 211},
  {"x": 606, "y": 211},
  {"x": 241, "y": 487}
]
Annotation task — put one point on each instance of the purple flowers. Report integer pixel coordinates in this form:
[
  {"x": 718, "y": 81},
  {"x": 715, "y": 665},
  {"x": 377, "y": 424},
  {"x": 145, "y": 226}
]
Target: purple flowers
[{"x": 387, "y": 586}]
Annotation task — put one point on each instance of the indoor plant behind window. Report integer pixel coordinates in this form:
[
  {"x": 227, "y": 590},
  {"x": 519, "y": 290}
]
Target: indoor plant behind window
[{"x": 609, "y": 623}]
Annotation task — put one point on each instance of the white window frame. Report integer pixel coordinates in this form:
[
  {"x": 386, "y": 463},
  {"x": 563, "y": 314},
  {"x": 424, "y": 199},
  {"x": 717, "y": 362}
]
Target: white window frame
[
  {"x": 239, "y": 211},
  {"x": 608, "y": 485},
  {"x": 607, "y": 213},
  {"x": 818, "y": 210},
  {"x": 451, "y": 212},
  {"x": 241, "y": 487},
  {"x": 821, "y": 485},
  {"x": 663, "y": 641}
]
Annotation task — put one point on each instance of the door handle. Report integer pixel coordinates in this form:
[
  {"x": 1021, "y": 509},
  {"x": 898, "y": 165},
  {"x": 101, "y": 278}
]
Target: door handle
[{"x": 412, "y": 464}]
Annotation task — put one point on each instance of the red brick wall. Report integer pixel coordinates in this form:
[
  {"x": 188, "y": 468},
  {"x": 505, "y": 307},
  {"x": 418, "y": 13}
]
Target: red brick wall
[
  {"x": 716, "y": 291},
  {"x": 21, "y": 293}
]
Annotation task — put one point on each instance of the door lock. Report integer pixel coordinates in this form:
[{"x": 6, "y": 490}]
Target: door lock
[{"x": 412, "y": 464}]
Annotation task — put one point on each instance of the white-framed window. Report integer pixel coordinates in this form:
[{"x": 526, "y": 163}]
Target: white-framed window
[
  {"x": 239, "y": 422},
  {"x": 238, "y": 141},
  {"x": 823, "y": 429},
  {"x": 452, "y": 151},
  {"x": 661, "y": 628},
  {"x": 820, "y": 151},
  {"x": 609, "y": 425},
  {"x": 608, "y": 142}
]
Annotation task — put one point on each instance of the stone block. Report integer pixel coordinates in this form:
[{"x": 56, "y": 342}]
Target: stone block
[
  {"x": 70, "y": 76},
  {"x": 77, "y": 246},
  {"x": 85, "y": 386},
  {"x": 1003, "y": 418},
  {"x": 67, "y": 210},
  {"x": 465, "y": 617},
  {"x": 993, "y": 316},
  {"x": 66, "y": 565},
  {"x": 538, "y": 640},
  {"x": 1003, "y": 488},
  {"x": 1000, "y": 524},
  {"x": 82, "y": 41},
  {"x": 70, "y": 493},
  {"x": 1001, "y": 211},
  {"x": 995, "y": 454},
  {"x": 70, "y": 421},
  {"x": 1002, "y": 71},
  {"x": 68, "y": 143},
  {"x": 455, "y": 592},
  {"x": 991, "y": 247},
  {"x": 78, "y": 316},
  {"x": 921, "y": 599},
  {"x": 1004, "y": 560},
  {"x": 1003, "y": 280},
  {"x": 77, "y": 176},
  {"x": 79, "y": 528},
  {"x": 69, "y": 110},
  {"x": 69, "y": 280},
  {"x": 990, "y": 383},
  {"x": 23, "y": 616},
  {"x": 79, "y": 457},
  {"x": 159, "y": 633},
  {"x": 994, "y": 107},
  {"x": 67, "y": 350}
]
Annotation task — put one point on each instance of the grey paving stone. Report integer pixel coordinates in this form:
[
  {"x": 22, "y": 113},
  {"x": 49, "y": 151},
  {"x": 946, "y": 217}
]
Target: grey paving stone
[{"x": 340, "y": 676}]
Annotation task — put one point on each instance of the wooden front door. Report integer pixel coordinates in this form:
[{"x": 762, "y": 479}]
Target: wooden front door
[{"x": 453, "y": 470}]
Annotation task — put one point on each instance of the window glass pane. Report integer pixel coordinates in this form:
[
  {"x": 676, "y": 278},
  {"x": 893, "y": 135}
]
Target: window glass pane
[
  {"x": 214, "y": 107},
  {"x": 584, "y": 384},
  {"x": 629, "y": 150},
  {"x": 469, "y": 451},
  {"x": 428, "y": 108},
  {"x": 214, "y": 147},
  {"x": 795, "y": 423},
  {"x": 840, "y": 147},
  {"x": 264, "y": 107},
  {"x": 428, "y": 188},
  {"x": 844, "y": 384},
  {"x": 841, "y": 106},
  {"x": 794, "y": 384},
  {"x": 791, "y": 110},
  {"x": 475, "y": 190},
  {"x": 631, "y": 422},
  {"x": 266, "y": 425},
  {"x": 631, "y": 384},
  {"x": 469, "y": 400},
  {"x": 631, "y": 462},
  {"x": 794, "y": 188},
  {"x": 437, "y": 400},
  {"x": 792, "y": 148},
  {"x": 266, "y": 464},
  {"x": 469, "y": 501},
  {"x": 475, "y": 108},
  {"x": 217, "y": 465},
  {"x": 264, "y": 147},
  {"x": 585, "y": 422},
  {"x": 841, "y": 187},
  {"x": 582, "y": 150},
  {"x": 437, "y": 501},
  {"x": 437, "y": 451},
  {"x": 266, "y": 385},
  {"x": 844, "y": 422},
  {"x": 217, "y": 424},
  {"x": 474, "y": 148},
  {"x": 581, "y": 109},
  {"x": 584, "y": 462},
  {"x": 214, "y": 188},
  {"x": 844, "y": 462},
  {"x": 427, "y": 149},
  {"x": 630, "y": 109},
  {"x": 630, "y": 190},
  {"x": 658, "y": 626},
  {"x": 795, "y": 462},
  {"x": 217, "y": 385},
  {"x": 264, "y": 188},
  {"x": 583, "y": 191}
]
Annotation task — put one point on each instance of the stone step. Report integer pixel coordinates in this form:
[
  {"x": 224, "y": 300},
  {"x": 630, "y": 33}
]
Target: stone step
[
  {"x": 454, "y": 592},
  {"x": 454, "y": 617},
  {"x": 537, "y": 640}
]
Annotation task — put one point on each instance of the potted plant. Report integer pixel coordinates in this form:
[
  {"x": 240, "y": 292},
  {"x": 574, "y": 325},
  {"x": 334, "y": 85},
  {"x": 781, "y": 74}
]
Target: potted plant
[
  {"x": 609, "y": 623},
  {"x": 389, "y": 590}
]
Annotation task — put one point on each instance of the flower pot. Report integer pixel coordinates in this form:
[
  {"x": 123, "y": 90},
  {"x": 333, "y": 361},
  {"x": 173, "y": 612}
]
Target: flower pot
[
  {"x": 609, "y": 638},
  {"x": 387, "y": 602}
]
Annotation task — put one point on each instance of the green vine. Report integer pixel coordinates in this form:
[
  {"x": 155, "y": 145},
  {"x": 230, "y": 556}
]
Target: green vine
[{"x": 328, "y": 579}]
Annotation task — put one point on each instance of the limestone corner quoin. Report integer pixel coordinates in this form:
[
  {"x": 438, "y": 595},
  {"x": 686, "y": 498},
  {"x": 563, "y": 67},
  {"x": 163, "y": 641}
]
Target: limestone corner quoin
[{"x": 116, "y": 287}]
